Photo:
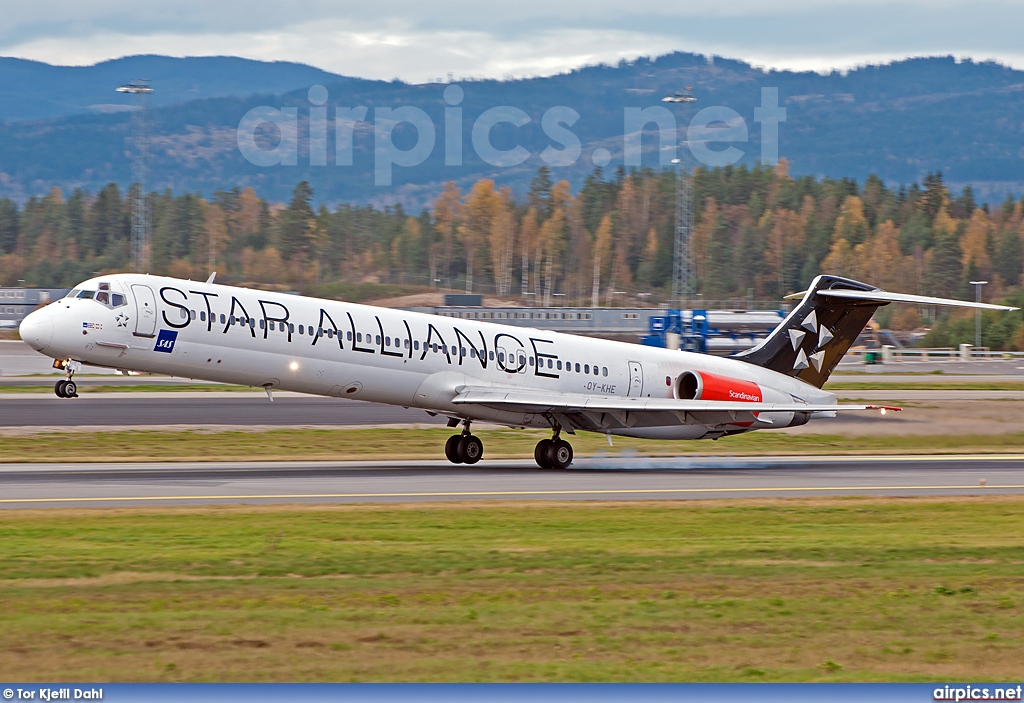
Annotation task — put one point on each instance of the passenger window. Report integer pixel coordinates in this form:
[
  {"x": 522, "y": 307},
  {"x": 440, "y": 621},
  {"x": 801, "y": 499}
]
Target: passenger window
[
  {"x": 522, "y": 360},
  {"x": 202, "y": 316},
  {"x": 376, "y": 340},
  {"x": 559, "y": 365},
  {"x": 549, "y": 363},
  {"x": 330, "y": 334},
  {"x": 387, "y": 341},
  {"x": 472, "y": 353},
  {"x": 577, "y": 367},
  {"x": 222, "y": 319},
  {"x": 531, "y": 361},
  {"x": 263, "y": 323},
  {"x": 491, "y": 355},
  {"x": 184, "y": 313},
  {"x": 407, "y": 344},
  {"x": 192, "y": 314},
  {"x": 462, "y": 351},
  {"x": 586, "y": 368},
  {"x": 291, "y": 328},
  {"x": 301, "y": 330},
  {"x": 604, "y": 371},
  {"x": 359, "y": 336},
  {"x": 501, "y": 357}
]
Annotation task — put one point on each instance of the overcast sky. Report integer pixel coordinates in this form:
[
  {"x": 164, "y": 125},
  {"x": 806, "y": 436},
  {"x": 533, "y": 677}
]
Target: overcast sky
[{"x": 419, "y": 41}]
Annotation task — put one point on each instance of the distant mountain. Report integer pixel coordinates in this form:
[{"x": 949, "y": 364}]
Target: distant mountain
[
  {"x": 30, "y": 90},
  {"x": 899, "y": 121}
]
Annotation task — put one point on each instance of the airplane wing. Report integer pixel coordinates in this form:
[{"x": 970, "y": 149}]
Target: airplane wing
[{"x": 599, "y": 413}]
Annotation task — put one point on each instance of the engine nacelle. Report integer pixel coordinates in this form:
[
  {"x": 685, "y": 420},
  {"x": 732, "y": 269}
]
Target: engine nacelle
[{"x": 701, "y": 385}]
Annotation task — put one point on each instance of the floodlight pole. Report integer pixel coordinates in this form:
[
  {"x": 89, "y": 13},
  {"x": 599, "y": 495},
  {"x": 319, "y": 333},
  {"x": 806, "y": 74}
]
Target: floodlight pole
[
  {"x": 977, "y": 313},
  {"x": 684, "y": 274},
  {"x": 140, "y": 245}
]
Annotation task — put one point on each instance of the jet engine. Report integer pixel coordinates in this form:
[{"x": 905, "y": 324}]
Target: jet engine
[{"x": 701, "y": 385}]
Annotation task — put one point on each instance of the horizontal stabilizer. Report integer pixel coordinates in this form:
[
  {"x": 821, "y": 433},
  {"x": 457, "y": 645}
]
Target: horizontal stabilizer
[{"x": 881, "y": 296}]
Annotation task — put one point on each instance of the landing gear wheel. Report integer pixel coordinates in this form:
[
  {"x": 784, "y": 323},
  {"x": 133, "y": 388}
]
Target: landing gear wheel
[
  {"x": 58, "y": 388},
  {"x": 559, "y": 454},
  {"x": 70, "y": 389},
  {"x": 451, "y": 449},
  {"x": 471, "y": 449},
  {"x": 540, "y": 454}
]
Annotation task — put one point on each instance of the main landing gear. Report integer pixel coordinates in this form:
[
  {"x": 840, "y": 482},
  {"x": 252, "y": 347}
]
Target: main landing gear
[
  {"x": 67, "y": 388},
  {"x": 554, "y": 453},
  {"x": 464, "y": 448}
]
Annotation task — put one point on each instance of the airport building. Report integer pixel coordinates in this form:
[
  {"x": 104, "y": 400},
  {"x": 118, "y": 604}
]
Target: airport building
[{"x": 16, "y": 303}]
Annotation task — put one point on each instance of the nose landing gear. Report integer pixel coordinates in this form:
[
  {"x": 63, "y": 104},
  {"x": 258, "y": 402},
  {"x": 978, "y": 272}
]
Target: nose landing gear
[
  {"x": 67, "y": 388},
  {"x": 464, "y": 448},
  {"x": 554, "y": 453}
]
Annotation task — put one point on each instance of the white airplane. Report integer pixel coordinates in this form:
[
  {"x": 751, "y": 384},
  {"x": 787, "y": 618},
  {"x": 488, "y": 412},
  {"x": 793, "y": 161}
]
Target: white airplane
[{"x": 466, "y": 370}]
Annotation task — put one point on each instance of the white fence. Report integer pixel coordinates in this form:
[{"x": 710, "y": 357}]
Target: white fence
[{"x": 966, "y": 352}]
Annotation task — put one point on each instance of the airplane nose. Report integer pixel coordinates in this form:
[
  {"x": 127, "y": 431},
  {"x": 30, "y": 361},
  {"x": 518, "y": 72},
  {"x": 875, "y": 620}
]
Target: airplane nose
[{"x": 37, "y": 329}]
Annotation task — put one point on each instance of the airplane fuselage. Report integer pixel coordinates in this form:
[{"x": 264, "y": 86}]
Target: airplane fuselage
[{"x": 278, "y": 341}]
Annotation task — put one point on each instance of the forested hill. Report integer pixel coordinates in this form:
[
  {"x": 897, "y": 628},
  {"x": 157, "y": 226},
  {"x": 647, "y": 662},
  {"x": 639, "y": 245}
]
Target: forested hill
[
  {"x": 899, "y": 121},
  {"x": 32, "y": 90}
]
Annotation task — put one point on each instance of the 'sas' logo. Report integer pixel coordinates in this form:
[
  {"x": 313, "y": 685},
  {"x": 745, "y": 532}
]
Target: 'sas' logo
[{"x": 165, "y": 342}]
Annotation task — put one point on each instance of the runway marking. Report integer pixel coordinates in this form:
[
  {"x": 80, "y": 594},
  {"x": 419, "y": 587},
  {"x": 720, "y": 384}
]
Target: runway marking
[
  {"x": 257, "y": 466},
  {"x": 478, "y": 494}
]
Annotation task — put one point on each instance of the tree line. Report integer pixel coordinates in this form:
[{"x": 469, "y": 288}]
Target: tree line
[{"x": 758, "y": 232}]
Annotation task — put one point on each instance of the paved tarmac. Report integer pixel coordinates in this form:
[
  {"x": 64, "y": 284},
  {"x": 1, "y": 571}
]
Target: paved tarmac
[
  {"x": 137, "y": 409},
  {"x": 253, "y": 409},
  {"x": 613, "y": 477}
]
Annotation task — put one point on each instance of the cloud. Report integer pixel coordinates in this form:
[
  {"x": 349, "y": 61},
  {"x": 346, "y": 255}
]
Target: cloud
[{"x": 418, "y": 41}]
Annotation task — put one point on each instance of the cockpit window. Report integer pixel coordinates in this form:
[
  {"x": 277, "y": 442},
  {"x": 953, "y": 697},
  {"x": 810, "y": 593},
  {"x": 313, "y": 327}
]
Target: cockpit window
[
  {"x": 103, "y": 297},
  {"x": 87, "y": 294},
  {"x": 105, "y": 286},
  {"x": 74, "y": 293},
  {"x": 117, "y": 300}
]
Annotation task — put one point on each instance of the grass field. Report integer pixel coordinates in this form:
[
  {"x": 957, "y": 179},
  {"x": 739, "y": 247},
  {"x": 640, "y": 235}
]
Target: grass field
[
  {"x": 785, "y": 590},
  {"x": 413, "y": 443}
]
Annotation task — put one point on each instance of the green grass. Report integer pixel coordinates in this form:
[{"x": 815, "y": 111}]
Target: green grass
[
  {"x": 785, "y": 590},
  {"x": 418, "y": 443}
]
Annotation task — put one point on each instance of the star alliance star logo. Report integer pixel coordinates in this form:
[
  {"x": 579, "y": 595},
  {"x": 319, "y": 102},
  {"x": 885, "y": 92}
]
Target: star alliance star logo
[
  {"x": 796, "y": 337},
  {"x": 121, "y": 320}
]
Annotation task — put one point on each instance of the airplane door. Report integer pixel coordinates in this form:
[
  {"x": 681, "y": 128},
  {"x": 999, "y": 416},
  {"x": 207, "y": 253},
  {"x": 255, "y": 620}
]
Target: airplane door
[
  {"x": 636, "y": 379},
  {"x": 145, "y": 311}
]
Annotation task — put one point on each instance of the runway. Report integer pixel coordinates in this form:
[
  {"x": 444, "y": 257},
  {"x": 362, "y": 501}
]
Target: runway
[
  {"x": 610, "y": 478},
  {"x": 200, "y": 409}
]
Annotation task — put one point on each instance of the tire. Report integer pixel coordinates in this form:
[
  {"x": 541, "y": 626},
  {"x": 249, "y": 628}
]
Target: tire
[
  {"x": 471, "y": 449},
  {"x": 540, "y": 454},
  {"x": 451, "y": 449},
  {"x": 58, "y": 388},
  {"x": 560, "y": 454},
  {"x": 70, "y": 389}
]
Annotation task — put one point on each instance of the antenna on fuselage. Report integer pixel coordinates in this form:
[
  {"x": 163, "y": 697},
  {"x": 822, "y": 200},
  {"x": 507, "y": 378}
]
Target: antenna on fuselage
[{"x": 212, "y": 276}]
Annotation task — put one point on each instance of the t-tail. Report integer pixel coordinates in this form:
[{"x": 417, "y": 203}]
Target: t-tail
[{"x": 819, "y": 331}]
